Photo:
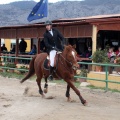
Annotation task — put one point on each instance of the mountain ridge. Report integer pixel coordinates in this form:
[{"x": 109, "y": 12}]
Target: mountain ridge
[{"x": 16, "y": 13}]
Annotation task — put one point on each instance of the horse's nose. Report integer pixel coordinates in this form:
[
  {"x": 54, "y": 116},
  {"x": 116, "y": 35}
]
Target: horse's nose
[{"x": 76, "y": 66}]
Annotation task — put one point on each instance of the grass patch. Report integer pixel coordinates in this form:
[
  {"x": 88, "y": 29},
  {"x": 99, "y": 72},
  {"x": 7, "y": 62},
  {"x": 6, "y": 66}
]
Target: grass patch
[
  {"x": 77, "y": 84},
  {"x": 14, "y": 75},
  {"x": 11, "y": 75},
  {"x": 58, "y": 81},
  {"x": 20, "y": 76},
  {"x": 94, "y": 87}
]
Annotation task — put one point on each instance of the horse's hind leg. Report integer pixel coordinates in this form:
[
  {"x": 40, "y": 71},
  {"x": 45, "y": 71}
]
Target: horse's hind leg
[
  {"x": 46, "y": 86},
  {"x": 68, "y": 92},
  {"x": 76, "y": 91},
  {"x": 38, "y": 80}
]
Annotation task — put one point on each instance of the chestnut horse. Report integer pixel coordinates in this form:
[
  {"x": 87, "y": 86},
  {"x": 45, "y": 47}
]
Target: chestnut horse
[{"x": 66, "y": 65}]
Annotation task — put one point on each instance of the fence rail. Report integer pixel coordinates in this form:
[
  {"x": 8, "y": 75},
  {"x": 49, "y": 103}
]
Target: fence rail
[
  {"x": 84, "y": 63},
  {"x": 10, "y": 57},
  {"x": 21, "y": 58},
  {"x": 106, "y": 73}
]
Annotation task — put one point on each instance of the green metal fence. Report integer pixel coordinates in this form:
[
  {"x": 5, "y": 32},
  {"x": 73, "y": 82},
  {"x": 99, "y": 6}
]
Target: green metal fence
[
  {"x": 106, "y": 73},
  {"x": 85, "y": 63},
  {"x": 17, "y": 58}
]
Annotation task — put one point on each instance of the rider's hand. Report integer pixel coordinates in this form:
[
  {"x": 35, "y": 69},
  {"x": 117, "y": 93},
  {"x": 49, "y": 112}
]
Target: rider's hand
[
  {"x": 56, "y": 49},
  {"x": 63, "y": 47}
]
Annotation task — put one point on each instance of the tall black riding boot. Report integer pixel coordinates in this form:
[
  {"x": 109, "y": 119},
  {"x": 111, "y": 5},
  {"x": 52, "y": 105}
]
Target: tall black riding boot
[{"x": 51, "y": 72}]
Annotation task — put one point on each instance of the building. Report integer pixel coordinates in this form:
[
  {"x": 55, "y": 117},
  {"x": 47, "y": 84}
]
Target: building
[
  {"x": 87, "y": 31},
  {"x": 95, "y": 31}
]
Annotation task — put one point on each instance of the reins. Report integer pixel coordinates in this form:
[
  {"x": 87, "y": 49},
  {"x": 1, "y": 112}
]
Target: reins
[{"x": 66, "y": 61}]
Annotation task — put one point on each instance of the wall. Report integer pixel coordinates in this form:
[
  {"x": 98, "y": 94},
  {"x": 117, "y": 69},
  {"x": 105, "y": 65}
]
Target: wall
[
  {"x": 101, "y": 75},
  {"x": 28, "y": 45},
  {"x": 9, "y": 41}
]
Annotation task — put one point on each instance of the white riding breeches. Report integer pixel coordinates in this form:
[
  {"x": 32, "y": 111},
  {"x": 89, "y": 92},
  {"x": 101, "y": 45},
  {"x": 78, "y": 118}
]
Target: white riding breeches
[{"x": 52, "y": 57}]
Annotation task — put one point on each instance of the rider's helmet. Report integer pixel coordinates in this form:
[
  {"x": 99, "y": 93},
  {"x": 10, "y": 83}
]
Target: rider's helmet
[{"x": 48, "y": 22}]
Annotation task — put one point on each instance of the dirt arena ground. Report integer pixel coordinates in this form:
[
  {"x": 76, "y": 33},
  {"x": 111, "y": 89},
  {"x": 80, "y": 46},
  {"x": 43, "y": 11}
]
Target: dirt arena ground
[{"x": 16, "y": 105}]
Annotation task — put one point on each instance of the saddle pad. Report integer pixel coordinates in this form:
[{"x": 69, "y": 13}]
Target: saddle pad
[
  {"x": 46, "y": 64},
  {"x": 48, "y": 57}
]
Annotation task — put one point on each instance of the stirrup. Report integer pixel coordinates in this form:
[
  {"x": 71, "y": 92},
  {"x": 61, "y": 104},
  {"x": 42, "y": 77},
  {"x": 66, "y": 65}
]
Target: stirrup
[{"x": 50, "y": 78}]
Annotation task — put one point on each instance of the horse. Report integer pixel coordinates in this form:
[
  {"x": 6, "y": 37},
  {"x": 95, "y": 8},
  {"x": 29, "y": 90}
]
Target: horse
[{"x": 65, "y": 67}]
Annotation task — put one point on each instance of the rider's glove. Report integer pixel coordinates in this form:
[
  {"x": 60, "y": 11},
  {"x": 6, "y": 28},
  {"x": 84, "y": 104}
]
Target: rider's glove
[{"x": 56, "y": 49}]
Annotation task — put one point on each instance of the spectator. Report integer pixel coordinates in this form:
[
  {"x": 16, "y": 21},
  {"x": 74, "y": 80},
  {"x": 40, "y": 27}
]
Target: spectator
[
  {"x": 88, "y": 53},
  {"x": 3, "y": 48},
  {"x": 13, "y": 49},
  {"x": 111, "y": 55},
  {"x": 118, "y": 52},
  {"x": 33, "y": 51},
  {"x": 22, "y": 46}
]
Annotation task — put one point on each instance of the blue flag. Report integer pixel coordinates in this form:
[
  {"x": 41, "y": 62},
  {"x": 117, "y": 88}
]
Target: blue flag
[{"x": 39, "y": 11}]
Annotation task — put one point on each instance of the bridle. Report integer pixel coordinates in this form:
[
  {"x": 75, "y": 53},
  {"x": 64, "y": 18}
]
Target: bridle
[
  {"x": 66, "y": 60},
  {"x": 70, "y": 63}
]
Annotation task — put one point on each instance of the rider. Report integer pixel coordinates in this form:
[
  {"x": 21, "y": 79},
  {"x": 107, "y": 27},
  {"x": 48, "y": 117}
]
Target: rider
[{"x": 54, "y": 41}]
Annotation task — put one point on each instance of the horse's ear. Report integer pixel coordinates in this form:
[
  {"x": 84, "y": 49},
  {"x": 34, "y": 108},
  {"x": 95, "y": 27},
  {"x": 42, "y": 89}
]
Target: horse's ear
[
  {"x": 74, "y": 46},
  {"x": 68, "y": 48}
]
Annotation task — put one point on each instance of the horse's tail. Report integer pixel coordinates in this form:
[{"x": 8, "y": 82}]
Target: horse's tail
[{"x": 31, "y": 70}]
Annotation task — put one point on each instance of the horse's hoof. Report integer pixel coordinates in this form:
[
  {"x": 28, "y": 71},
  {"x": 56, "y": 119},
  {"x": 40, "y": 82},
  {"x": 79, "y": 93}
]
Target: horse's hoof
[
  {"x": 69, "y": 99},
  {"x": 85, "y": 103},
  {"x": 43, "y": 96},
  {"x": 45, "y": 90},
  {"x": 21, "y": 81}
]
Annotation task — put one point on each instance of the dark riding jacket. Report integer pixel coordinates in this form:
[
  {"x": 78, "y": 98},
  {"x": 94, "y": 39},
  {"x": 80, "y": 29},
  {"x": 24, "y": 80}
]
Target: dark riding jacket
[{"x": 55, "y": 41}]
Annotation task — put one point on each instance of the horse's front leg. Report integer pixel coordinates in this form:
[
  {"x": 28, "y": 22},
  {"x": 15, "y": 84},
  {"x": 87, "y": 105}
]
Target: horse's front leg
[
  {"x": 76, "y": 91},
  {"x": 38, "y": 80}
]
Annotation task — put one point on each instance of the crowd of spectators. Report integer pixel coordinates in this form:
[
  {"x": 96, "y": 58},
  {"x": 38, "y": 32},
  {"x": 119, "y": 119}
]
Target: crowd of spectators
[{"x": 112, "y": 53}]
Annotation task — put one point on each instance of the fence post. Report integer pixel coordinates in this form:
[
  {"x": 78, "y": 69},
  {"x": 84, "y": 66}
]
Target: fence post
[
  {"x": 5, "y": 63},
  {"x": 17, "y": 50},
  {"x": 106, "y": 78}
]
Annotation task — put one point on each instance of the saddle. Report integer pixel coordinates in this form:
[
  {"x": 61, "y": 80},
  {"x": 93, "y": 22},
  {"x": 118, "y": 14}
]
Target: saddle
[{"x": 47, "y": 61}]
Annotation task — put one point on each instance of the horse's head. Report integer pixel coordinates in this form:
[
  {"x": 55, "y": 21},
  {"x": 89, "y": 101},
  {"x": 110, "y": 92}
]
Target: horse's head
[{"x": 70, "y": 56}]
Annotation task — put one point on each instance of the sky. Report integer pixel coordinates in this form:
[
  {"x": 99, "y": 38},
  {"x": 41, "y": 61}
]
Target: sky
[{"x": 8, "y": 1}]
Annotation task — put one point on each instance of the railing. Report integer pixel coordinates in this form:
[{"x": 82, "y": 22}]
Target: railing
[
  {"x": 106, "y": 73},
  {"x": 18, "y": 58},
  {"x": 97, "y": 64}
]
